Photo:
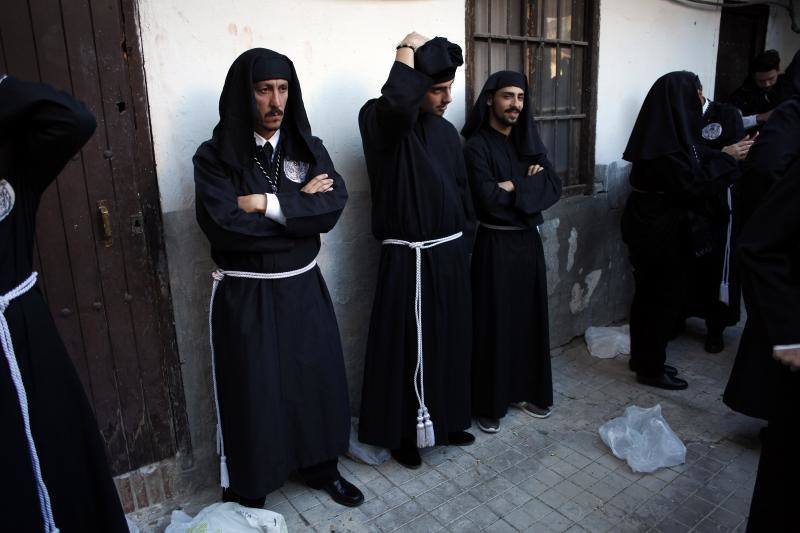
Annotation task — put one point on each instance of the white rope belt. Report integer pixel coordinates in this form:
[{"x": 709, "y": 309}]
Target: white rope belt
[
  {"x": 425, "y": 435},
  {"x": 724, "y": 295},
  {"x": 219, "y": 275},
  {"x": 8, "y": 348}
]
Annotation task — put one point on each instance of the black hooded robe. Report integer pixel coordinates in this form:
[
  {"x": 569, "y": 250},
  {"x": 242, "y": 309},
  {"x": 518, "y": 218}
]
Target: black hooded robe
[
  {"x": 776, "y": 149},
  {"x": 721, "y": 126},
  {"x": 666, "y": 218},
  {"x": 511, "y": 339},
  {"x": 40, "y": 130},
  {"x": 280, "y": 371},
  {"x": 419, "y": 191}
]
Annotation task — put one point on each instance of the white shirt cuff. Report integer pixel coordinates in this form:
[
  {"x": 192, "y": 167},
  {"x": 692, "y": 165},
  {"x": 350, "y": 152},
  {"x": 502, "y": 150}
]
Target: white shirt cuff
[
  {"x": 274, "y": 211},
  {"x": 749, "y": 121},
  {"x": 780, "y": 347}
]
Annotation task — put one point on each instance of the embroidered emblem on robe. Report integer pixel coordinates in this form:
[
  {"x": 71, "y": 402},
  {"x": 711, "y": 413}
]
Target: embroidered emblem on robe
[
  {"x": 295, "y": 170},
  {"x": 6, "y": 198},
  {"x": 712, "y": 131}
]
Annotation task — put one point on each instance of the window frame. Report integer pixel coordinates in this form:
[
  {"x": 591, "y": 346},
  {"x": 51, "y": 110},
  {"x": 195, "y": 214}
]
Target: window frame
[{"x": 585, "y": 170}]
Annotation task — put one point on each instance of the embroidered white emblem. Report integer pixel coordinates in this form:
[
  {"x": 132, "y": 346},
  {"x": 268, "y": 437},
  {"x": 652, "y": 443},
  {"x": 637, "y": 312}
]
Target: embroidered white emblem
[
  {"x": 295, "y": 170},
  {"x": 6, "y": 198},
  {"x": 712, "y": 131}
]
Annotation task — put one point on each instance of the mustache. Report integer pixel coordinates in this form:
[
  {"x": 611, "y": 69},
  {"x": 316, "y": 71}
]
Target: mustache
[
  {"x": 510, "y": 109},
  {"x": 275, "y": 113}
]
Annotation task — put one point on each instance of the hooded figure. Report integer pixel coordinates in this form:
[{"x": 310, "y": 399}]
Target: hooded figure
[
  {"x": 512, "y": 182},
  {"x": 265, "y": 190},
  {"x": 416, "y": 373},
  {"x": 666, "y": 218},
  {"x": 56, "y": 474}
]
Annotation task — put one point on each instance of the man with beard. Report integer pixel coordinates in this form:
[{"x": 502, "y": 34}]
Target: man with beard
[
  {"x": 266, "y": 188},
  {"x": 416, "y": 374},
  {"x": 512, "y": 182}
]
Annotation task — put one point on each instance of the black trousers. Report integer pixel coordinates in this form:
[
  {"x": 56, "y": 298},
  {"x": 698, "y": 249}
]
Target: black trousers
[{"x": 314, "y": 476}]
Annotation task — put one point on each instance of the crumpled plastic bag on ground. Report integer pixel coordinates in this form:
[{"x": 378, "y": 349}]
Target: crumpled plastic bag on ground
[
  {"x": 228, "y": 517},
  {"x": 644, "y": 439},
  {"x": 607, "y": 342},
  {"x": 365, "y": 453}
]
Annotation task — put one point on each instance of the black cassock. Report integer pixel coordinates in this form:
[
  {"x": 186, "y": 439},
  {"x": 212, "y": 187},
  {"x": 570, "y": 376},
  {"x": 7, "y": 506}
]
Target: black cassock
[
  {"x": 774, "y": 152},
  {"x": 770, "y": 256},
  {"x": 722, "y": 126},
  {"x": 419, "y": 192},
  {"x": 511, "y": 346},
  {"x": 40, "y": 129}
]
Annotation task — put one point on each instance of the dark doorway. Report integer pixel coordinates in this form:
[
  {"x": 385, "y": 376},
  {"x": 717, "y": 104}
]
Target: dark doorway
[
  {"x": 100, "y": 251},
  {"x": 742, "y": 33}
]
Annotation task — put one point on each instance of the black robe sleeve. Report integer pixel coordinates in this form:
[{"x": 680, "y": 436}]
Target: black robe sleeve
[
  {"x": 386, "y": 120},
  {"x": 534, "y": 194},
  {"x": 769, "y": 251},
  {"x": 679, "y": 178},
  {"x": 45, "y": 127}
]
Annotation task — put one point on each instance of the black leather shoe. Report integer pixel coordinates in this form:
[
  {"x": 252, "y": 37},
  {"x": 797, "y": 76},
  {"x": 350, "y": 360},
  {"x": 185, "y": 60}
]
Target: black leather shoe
[
  {"x": 460, "y": 438},
  {"x": 714, "y": 343},
  {"x": 662, "y": 381},
  {"x": 342, "y": 492},
  {"x": 668, "y": 369},
  {"x": 408, "y": 457},
  {"x": 229, "y": 496}
]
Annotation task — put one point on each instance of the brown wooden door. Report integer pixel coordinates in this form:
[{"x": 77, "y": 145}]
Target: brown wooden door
[
  {"x": 108, "y": 292},
  {"x": 742, "y": 34}
]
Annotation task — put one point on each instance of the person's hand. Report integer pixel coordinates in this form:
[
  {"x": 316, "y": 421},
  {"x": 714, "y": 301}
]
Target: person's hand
[
  {"x": 534, "y": 169},
  {"x": 739, "y": 150},
  {"x": 321, "y": 183},
  {"x": 506, "y": 185},
  {"x": 763, "y": 117},
  {"x": 414, "y": 40},
  {"x": 790, "y": 357},
  {"x": 253, "y": 203}
]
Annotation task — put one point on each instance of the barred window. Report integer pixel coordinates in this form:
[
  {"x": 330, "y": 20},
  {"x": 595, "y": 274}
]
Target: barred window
[{"x": 552, "y": 42}]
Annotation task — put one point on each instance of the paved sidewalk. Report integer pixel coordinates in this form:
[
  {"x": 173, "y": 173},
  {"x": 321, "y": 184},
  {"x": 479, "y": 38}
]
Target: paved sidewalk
[{"x": 556, "y": 474}]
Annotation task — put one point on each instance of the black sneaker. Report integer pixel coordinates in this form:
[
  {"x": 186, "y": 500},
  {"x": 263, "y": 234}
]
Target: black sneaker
[
  {"x": 407, "y": 456},
  {"x": 460, "y": 438},
  {"x": 488, "y": 425}
]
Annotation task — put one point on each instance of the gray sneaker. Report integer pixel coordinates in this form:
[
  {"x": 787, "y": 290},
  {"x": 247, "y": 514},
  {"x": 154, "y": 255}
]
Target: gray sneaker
[
  {"x": 489, "y": 425},
  {"x": 534, "y": 410}
]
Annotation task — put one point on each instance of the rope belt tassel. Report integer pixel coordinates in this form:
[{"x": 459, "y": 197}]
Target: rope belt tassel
[
  {"x": 724, "y": 294},
  {"x": 218, "y": 275},
  {"x": 45, "y": 506},
  {"x": 425, "y": 434}
]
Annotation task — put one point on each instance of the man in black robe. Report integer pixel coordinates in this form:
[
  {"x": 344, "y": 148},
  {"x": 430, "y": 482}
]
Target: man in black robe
[
  {"x": 769, "y": 251},
  {"x": 512, "y": 182},
  {"x": 52, "y": 457},
  {"x": 666, "y": 218},
  {"x": 265, "y": 190},
  {"x": 714, "y": 293},
  {"x": 760, "y": 91},
  {"x": 416, "y": 374}
]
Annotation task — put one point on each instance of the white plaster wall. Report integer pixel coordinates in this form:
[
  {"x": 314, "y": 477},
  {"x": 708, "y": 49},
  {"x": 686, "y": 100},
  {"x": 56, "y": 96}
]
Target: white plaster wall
[
  {"x": 780, "y": 36},
  {"x": 639, "y": 41},
  {"x": 342, "y": 50}
]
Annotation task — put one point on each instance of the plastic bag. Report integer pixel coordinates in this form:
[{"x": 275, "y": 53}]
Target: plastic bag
[
  {"x": 608, "y": 342},
  {"x": 228, "y": 517},
  {"x": 644, "y": 439},
  {"x": 365, "y": 453}
]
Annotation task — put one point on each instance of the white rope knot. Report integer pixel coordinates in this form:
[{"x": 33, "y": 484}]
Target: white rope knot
[
  {"x": 42, "y": 494},
  {"x": 425, "y": 434},
  {"x": 218, "y": 275}
]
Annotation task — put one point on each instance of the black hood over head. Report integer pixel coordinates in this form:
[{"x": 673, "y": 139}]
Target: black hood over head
[
  {"x": 524, "y": 133},
  {"x": 439, "y": 59},
  {"x": 233, "y": 135},
  {"x": 669, "y": 120}
]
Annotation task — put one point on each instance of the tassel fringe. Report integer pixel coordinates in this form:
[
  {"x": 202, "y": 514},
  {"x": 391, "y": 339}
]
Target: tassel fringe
[{"x": 425, "y": 435}]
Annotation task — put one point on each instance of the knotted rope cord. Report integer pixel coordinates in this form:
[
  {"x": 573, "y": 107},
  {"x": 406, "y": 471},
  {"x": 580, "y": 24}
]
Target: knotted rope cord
[
  {"x": 425, "y": 435},
  {"x": 16, "y": 376},
  {"x": 218, "y": 276}
]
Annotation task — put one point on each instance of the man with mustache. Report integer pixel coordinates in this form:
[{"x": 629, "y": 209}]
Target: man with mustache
[
  {"x": 512, "y": 182},
  {"x": 266, "y": 188},
  {"x": 416, "y": 374}
]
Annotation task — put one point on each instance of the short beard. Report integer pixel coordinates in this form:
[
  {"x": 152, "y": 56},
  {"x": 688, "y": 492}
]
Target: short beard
[{"x": 505, "y": 120}]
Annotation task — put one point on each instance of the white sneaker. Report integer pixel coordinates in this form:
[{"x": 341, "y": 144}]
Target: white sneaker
[
  {"x": 534, "y": 410},
  {"x": 489, "y": 425}
]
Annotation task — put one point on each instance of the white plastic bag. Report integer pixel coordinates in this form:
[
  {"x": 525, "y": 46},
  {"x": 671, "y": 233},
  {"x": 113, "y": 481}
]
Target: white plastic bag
[
  {"x": 607, "y": 342},
  {"x": 365, "y": 453},
  {"x": 229, "y": 518},
  {"x": 644, "y": 439}
]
